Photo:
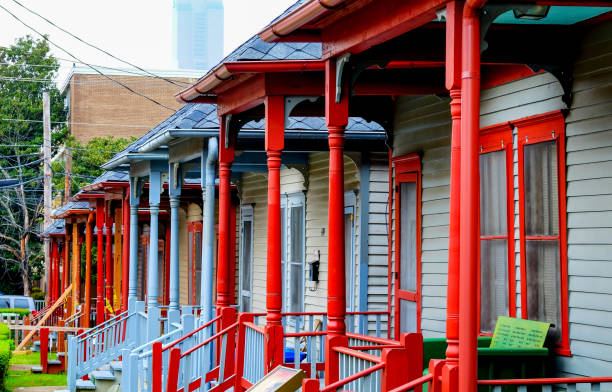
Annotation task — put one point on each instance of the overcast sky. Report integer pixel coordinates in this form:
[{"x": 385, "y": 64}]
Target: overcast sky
[{"x": 139, "y": 31}]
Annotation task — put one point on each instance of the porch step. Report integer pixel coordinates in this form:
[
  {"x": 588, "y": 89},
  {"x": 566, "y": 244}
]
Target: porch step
[
  {"x": 37, "y": 369},
  {"x": 104, "y": 380},
  {"x": 85, "y": 385},
  {"x": 55, "y": 366},
  {"x": 117, "y": 368}
]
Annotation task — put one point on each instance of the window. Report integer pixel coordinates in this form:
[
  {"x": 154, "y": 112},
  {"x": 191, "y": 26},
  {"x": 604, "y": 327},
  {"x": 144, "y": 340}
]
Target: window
[
  {"x": 293, "y": 251},
  {"x": 194, "y": 267},
  {"x": 541, "y": 153},
  {"x": 349, "y": 248},
  {"x": 496, "y": 227},
  {"x": 407, "y": 244},
  {"x": 246, "y": 258}
]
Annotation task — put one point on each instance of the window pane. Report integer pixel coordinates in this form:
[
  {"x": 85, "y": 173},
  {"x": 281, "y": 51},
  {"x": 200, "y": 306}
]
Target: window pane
[
  {"x": 246, "y": 304},
  {"x": 295, "y": 280},
  {"x": 348, "y": 259},
  {"x": 408, "y": 317},
  {"x": 408, "y": 229},
  {"x": 493, "y": 282},
  {"x": 543, "y": 281},
  {"x": 297, "y": 234},
  {"x": 541, "y": 189},
  {"x": 493, "y": 211},
  {"x": 247, "y": 243}
]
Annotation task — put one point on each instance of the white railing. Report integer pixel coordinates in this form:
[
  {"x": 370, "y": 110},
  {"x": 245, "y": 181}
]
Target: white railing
[
  {"x": 352, "y": 362},
  {"x": 102, "y": 344}
]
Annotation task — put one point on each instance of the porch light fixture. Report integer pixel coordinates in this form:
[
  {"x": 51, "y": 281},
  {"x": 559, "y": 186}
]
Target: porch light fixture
[{"x": 535, "y": 12}]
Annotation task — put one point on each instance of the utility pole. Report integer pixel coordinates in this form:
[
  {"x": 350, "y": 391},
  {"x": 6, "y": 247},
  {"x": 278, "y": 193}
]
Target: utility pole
[{"x": 47, "y": 186}]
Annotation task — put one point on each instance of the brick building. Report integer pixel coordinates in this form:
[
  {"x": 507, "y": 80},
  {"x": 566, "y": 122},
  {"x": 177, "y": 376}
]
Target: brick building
[{"x": 99, "y": 107}]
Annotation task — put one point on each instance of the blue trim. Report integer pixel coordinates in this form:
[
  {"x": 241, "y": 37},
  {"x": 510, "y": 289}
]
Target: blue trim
[{"x": 364, "y": 232}]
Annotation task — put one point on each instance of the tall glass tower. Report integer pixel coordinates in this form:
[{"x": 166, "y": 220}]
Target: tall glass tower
[{"x": 198, "y": 33}]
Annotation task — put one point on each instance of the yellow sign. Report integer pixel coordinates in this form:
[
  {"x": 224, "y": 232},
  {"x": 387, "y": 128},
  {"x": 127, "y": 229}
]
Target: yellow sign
[
  {"x": 281, "y": 379},
  {"x": 518, "y": 333}
]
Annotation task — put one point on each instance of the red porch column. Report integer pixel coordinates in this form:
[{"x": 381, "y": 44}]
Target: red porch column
[
  {"x": 76, "y": 267},
  {"x": 55, "y": 277},
  {"x": 274, "y": 144},
  {"x": 470, "y": 187},
  {"x": 88, "y": 235},
  {"x": 109, "y": 253},
  {"x": 336, "y": 117},
  {"x": 125, "y": 254},
  {"x": 454, "y": 15},
  {"x": 226, "y": 157},
  {"x": 100, "y": 261},
  {"x": 66, "y": 262}
]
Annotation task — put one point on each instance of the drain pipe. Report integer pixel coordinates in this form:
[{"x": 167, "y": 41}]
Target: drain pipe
[
  {"x": 470, "y": 183},
  {"x": 208, "y": 228}
]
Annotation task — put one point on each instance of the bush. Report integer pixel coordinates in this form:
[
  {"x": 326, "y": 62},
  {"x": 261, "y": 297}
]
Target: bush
[
  {"x": 5, "y": 333},
  {"x": 5, "y": 358},
  {"x": 21, "y": 312},
  {"x": 37, "y": 294}
]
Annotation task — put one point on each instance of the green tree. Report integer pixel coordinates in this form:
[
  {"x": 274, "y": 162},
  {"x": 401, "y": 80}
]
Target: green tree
[
  {"x": 87, "y": 159},
  {"x": 26, "y": 70}
]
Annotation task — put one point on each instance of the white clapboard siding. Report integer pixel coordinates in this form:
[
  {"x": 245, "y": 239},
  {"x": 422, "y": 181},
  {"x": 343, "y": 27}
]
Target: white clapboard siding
[
  {"x": 589, "y": 208},
  {"x": 378, "y": 239}
]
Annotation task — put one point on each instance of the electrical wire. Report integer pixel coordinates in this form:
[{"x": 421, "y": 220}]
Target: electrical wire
[
  {"x": 89, "y": 65},
  {"x": 22, "y": 183},
  {"x": 93, "y": 46},
  {"x": 79, "y": 123},
  {"x": 24, "y": 165}
]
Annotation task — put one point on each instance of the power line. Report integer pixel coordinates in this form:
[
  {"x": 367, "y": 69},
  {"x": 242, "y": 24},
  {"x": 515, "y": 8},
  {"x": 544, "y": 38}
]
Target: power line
[
  {"x": 24, "y": 165},
  {"x": 78, "y": 123},
  {"x": 89, "y": 65},
  {"x": 91, "y": 45}
]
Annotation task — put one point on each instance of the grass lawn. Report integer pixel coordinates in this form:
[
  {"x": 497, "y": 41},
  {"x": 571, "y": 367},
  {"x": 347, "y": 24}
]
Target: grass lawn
[
  {"x": 16, "y": 379},
  {"x": 28, "y": 359}
]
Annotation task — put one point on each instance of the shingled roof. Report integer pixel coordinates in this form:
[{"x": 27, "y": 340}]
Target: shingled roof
[{"x": 57, "y": 227}]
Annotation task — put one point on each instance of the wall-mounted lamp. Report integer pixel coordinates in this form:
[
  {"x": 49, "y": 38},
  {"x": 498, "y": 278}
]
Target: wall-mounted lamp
[{"x": 534, "y": 12}]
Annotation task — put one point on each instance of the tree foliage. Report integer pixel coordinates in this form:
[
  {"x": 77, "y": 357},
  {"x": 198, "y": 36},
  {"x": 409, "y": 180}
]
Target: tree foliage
[{"x": 26, "y": 70}]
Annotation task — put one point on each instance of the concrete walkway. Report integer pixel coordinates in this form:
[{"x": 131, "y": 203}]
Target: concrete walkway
[{"x": 39, "y": 389}]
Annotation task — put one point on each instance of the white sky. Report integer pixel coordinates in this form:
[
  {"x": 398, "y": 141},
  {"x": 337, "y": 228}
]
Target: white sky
[{"x": 139, "y": 31}]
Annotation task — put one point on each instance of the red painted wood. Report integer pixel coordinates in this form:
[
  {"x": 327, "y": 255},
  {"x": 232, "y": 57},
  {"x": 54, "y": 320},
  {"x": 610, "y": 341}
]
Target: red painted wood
[
  {"x": 310, "y": 385},
  {"x": 232, "y": 251},
  {"x": 374, "y": 24},
  {"x": 226, "y": 157},
  {"x": 470, "y": 184},
  {"x": 156, "y": 365},
  {"x": 173, "y": 370},
  {"x": 336, "y": 117},
  {"x": 125, "y": 252},
  {"x": 389, "y": 241},
  {"x": 44, "y": 349},
  {"x": 274, "y": 143},
  {"x": 99, "y": 261},
  {"x": 454, "y": 11},
  {"x": 536, "y": 129},
  {"x": 88, "y": 240},
  {"x": 407, "y": 169},
  {"x": 109, "y": 253}
]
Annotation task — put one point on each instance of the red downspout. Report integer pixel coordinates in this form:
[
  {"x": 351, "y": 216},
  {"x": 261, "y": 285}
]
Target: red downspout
[
  {"x": 470, "y": 184},
  {"x": 125, "y": 254},
  {"x": 100, "y": 262}
]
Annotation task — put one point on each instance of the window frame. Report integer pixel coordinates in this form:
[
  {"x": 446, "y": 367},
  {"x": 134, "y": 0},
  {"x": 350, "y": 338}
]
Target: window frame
[
  {"x": 193, "y": 228},
  {"x": 407, "y": 168},
  {"x": 246, "y": 214},
  {"x": 288, "y": 201},
  {"x": 491, "y": 139},
  {"x": 350, "y": 206},
  {"x": 533, "y": 130}
]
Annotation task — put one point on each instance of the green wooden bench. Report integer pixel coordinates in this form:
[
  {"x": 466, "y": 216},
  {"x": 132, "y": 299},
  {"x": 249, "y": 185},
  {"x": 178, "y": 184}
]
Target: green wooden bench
[{"x": 495, "y": 362}]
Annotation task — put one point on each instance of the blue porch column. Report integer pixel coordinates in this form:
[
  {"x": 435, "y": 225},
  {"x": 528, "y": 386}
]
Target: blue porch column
[
  {"x": 135, "y": 190},
  {"x": 208, "y": 228},
  {"x": 153, "y": 275},
  {"x": 175, "y": 183}
]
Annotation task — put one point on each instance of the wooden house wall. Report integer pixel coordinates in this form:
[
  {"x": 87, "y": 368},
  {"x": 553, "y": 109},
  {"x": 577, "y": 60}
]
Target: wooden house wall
[
  {"x": 589, "y": 208},
  {"x": 422, "y": 125}
]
